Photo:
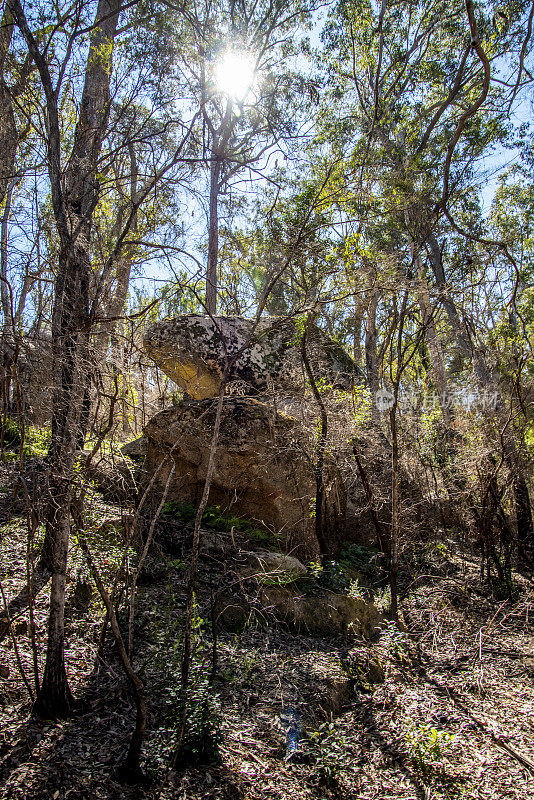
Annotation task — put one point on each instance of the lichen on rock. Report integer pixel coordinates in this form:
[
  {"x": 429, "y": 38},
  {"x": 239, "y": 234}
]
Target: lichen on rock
[{"x": 194, "y": 350}]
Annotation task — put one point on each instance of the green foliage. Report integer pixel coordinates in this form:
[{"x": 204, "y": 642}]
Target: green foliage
[
  {"x": 355, "y": 590},
  {"x": 366, "y": 560},
  {"x": 242, "y": 667},
  {"x": 339, "y": 576},
  {"x": 177, "y": 564},
  {"x": 330, "y": 746},
  {"x": 395, "y": 640},
  {"x": 10, "y": 432},
  {"x": 361, "y": 403},
  {"x": 315, "y": 568},
  {"x": 185, "y": 512},
  {"x": 36, "y": 440},
  {"x": 300, "y": 329},
  {"x": 382, "y": 599},
  {"x": 427, "y": 746},
  {"x": 330, "y": 575},
  {"x": 215, "y": 519},
  {"x": 202, "y": 734},
  {"x": 430, "y": 556}
]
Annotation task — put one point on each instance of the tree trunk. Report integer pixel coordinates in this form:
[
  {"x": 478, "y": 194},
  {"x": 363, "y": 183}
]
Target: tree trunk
[
  {"x": 437, "y": 361},
  {"x": 324, "y": 537},
  {"x": 5, "y": 294},
  {"x": 357, "y": 333},
  {"x": 8, "y": 127},
  {"x": 523, "y": 512},
  {"x": 54, "y": 698},
  {"x": 371, "y": 355},
  {"x": 71, "y": 349},
  {"x": 213, "y": 234},
  {"x": 395, "y": 514}
]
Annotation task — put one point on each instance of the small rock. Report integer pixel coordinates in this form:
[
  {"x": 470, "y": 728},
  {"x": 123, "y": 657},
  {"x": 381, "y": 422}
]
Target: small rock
[
  {"x": 277, "y": 568},
  {"x": 216, "y": 542},
  {"x": 4, "y": 671},
  {"x": 136, "y": 450}
]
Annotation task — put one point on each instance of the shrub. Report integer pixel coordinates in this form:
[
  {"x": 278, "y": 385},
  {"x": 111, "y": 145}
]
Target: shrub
[
  {"x": 426, "y": 746},
  {"x": 330, "y": 746},
  {"x": 10, "y": 432}
]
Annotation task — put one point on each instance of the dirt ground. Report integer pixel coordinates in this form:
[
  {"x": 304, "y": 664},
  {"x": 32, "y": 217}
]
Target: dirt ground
[{"x": 441, "y": 709}]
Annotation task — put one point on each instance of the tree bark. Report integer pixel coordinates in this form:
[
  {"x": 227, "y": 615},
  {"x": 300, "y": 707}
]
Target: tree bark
[
  {"x": 6, "y": 299},
  {"x": 8, "y": 127},
  {"x": 371, "y": 354},
  {"x": 213, "y": 234},
  {"x": 325, "y": 543}
]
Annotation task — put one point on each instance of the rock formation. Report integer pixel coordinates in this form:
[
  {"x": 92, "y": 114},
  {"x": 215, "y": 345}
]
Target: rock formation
[
  {"x": 261, "y": 470},
  {"x": 264, "y": 468},
  {"x": 193, "y": 350}
]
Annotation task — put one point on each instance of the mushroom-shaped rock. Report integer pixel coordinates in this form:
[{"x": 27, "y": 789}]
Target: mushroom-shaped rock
[{"x": 193, "y": 350}]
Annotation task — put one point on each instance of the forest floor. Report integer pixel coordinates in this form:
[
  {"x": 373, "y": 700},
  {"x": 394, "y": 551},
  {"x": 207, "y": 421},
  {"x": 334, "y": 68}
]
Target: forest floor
[{"x": 448, "y": 714}]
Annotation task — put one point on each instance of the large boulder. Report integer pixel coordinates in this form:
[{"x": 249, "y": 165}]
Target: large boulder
[
  {"x": 192, "y": 350},
  {"x": 306, "y": 611},
  {"x": 262, "y": 470},
  {"x": 276, "y": 568},
  {"x": 326, "y": 614},
  {"x": 31, "y": 359}
]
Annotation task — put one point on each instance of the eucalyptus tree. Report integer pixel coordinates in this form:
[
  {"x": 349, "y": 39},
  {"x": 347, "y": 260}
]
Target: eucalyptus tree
[
  {"x": 411, "y": 85},
  {"x": 74, "y": 196},
  {"x": 237, "y": 60},
  {"x": 104, "y": 149},
  {"x": 422, "y": 94}
]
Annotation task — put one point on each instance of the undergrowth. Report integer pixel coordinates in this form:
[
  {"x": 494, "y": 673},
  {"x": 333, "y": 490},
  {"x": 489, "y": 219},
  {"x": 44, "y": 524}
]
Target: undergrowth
[{"x": 214, "y": 518}]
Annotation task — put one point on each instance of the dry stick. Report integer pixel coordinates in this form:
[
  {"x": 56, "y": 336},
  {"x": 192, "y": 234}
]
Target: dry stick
[
  {"x": 15, "y": 645},
  {"x": 370, "y": 496},
  {"x": 498, "y": 739},
  {"x": 194, "y": 567},
  {"x": 32, "y": 522},
  {"x": 131, "y": 767},
  {"x": 130, "y": 536},
  {"x": 143, "y": 558},
  {"x": 27, "y": 596}
]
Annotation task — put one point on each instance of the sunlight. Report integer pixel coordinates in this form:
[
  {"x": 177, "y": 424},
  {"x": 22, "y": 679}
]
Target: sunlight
[{"x": 234, "y": 74}]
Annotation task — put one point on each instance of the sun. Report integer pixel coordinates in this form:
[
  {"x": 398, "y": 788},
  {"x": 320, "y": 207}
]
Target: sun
[{"x": 234, "y": 74}]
